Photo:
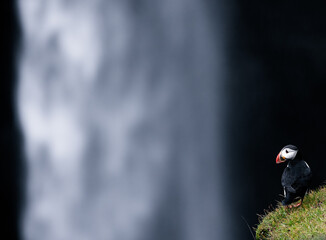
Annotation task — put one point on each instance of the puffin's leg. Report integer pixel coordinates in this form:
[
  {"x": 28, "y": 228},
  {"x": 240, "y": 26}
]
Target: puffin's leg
[
  {"x": 289, "y": 206},
  {"x": 295, "y": 205},
  {"x": 298, "y": 204}
]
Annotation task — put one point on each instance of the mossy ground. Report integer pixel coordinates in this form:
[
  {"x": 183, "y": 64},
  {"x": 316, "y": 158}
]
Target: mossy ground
[{"x": 305, "y": 222}]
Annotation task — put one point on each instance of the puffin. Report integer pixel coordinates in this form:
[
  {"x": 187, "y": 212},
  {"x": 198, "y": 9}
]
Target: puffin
[{"x": 296, "y": 176}]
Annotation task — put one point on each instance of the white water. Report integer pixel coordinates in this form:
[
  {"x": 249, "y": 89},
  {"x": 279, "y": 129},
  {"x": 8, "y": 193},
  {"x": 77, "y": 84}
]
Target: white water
[{"x": 119, "y": 102}]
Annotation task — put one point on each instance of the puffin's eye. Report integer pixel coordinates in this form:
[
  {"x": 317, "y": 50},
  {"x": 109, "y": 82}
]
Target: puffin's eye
[{"x": 286, "y": 151}]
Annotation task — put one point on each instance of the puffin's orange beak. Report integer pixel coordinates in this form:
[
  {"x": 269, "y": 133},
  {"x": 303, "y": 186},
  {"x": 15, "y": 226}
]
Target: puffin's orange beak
[{"x": 278, "y": 160}]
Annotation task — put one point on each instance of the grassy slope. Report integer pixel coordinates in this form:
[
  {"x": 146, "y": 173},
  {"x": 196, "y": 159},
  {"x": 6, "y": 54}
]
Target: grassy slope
[{"x": 305, "y": 222}]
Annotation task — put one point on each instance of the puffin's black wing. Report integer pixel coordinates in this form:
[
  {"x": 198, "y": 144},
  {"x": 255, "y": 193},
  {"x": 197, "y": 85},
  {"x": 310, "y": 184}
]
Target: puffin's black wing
[
  {"x": 297, "y": 177},
  {"x": 288, "y": 179}
]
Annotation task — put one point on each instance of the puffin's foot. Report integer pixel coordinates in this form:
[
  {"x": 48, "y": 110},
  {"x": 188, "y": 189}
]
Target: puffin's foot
[
  {"x": 298, "y": 204},
  {"x": 294, "y": 206}
]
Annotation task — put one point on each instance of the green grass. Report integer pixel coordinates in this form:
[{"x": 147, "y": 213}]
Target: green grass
[{"x": 305, "y": 222}]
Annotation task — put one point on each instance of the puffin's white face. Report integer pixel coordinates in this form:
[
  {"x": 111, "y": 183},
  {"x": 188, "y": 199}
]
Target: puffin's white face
[{"x": 286, "y": 154}]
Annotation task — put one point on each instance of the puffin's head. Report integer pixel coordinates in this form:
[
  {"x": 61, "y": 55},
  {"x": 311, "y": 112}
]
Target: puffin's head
[{"x": 287, "y": 153}]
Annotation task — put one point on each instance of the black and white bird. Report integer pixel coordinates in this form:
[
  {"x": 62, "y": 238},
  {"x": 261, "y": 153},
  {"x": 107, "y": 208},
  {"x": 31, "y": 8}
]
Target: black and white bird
[{"x": 296, "y": 176}]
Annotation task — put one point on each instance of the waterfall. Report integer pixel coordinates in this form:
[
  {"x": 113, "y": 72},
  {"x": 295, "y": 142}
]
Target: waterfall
[{"x": 120, "y": 104}]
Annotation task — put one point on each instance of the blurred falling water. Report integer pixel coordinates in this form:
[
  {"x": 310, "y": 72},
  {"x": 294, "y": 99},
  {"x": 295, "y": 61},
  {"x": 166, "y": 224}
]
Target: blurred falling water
[{"x": 119, "y": 103}]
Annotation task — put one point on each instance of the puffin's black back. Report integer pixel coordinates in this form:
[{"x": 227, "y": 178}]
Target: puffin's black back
[{"x": 296, "y": 179}]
